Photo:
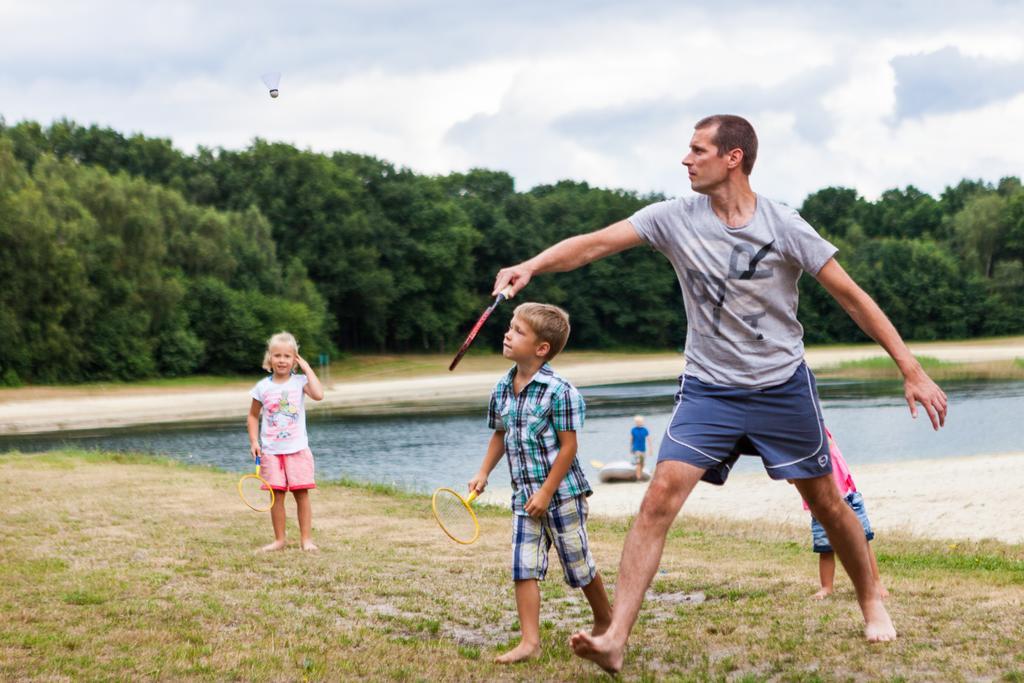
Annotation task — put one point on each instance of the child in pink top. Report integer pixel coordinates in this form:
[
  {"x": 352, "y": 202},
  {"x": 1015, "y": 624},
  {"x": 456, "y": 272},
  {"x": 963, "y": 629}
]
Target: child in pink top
[
  {"x": 277, "y": 433},
  {"x": 821, "y": 545}
]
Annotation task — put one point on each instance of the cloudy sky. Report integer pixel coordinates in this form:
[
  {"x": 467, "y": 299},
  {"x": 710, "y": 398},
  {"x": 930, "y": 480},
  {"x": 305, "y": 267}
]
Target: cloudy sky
[{"x": 871, "y": 95}]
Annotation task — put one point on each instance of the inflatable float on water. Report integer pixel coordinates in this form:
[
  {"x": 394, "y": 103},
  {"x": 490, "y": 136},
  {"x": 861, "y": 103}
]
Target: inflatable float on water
[{"x": 620, "y": 470}]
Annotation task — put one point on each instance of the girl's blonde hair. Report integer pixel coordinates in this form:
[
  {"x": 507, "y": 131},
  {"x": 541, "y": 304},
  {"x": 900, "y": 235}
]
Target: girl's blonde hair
[{"x": 279, "y": 338}]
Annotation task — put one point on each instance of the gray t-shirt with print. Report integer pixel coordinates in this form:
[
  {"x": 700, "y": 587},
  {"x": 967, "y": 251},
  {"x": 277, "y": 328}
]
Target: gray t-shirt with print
[{"x": 739, "y": 286}]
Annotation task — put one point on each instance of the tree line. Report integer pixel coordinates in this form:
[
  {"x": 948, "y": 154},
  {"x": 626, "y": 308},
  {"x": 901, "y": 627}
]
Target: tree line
[{"x": 124, "y": 257}]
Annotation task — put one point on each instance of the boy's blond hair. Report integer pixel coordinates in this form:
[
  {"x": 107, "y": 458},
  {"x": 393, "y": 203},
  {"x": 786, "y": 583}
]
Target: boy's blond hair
[
  {"x": 280, "y": 338},
  {"x": 550, "y": 324}
]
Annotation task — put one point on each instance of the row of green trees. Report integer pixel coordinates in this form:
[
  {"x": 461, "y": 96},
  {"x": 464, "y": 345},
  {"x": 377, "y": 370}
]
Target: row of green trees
[
  {"x": 947, "y": 268},
  {"x": 124, "y": 257},
  {"x": 111, "y": 276}
]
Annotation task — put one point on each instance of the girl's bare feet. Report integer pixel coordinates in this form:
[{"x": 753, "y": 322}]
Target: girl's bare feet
[
  {"x": 822, "y": 594},
  {"x": 270, "y": 547},
  {"x": 520, "y": 653},
  {"x": 309, "y": 546}
]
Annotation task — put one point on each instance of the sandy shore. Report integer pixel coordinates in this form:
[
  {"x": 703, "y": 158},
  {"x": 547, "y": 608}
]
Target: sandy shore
[
  {"x": 971, "y": 498},
  {"x": 129, "y": 407}
]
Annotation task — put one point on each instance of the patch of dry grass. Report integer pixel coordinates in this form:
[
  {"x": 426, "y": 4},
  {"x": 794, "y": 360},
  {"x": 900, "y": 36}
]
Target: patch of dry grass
[
  {"x": 116, "y": 567},
  {"x": 396, "y": 366},
  {"x": 883, "y": 367}
]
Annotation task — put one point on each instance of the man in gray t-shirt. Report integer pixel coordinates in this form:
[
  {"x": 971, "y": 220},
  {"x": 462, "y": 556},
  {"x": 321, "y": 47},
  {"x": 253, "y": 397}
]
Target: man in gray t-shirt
[
  {"x": 739, "y": 285},
  {"x": 738, "y": 257}
]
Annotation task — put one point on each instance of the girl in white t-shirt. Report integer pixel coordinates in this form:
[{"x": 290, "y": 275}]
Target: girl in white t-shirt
[{"x": 279, "y": 438}]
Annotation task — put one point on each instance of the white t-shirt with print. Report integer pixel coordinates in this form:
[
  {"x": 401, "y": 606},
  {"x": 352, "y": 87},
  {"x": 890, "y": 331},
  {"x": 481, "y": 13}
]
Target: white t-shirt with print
[{"x": 283, "y": 423}]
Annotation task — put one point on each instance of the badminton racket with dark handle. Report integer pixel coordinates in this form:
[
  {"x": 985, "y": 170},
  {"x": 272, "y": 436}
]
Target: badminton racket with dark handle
[{"x": 502, "y": 295}]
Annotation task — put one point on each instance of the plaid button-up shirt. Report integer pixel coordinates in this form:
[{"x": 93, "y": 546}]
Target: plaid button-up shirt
[{"x": 531, "y": 421}]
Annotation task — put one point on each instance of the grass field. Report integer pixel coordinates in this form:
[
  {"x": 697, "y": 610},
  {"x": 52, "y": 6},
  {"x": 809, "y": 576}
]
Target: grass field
[
  {"x": 883, "y": 367},
  {"x": 370, "y": 367},
  {"x": 121, "y": 567}
]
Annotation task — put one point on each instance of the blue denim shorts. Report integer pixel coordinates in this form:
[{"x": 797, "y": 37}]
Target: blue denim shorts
[
  {"x": 712, "y": 425},
  {"x": 819, "y": 538}
]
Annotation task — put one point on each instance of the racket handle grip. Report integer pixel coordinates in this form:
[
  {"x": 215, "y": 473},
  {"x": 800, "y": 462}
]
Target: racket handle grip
[
  {"x": 506, "y": 293},
  {"x": 472, "y": 496}
]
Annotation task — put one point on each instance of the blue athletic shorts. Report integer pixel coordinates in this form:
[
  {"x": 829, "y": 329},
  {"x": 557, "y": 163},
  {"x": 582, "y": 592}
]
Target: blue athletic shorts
[
  {"x": 713, "y": 425},
  {"x": 819, "y": 539}
]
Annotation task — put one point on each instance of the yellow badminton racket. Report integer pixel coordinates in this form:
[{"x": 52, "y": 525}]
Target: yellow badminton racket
[
  {"x": 255, "y": 491},
  {"x": 455, "y": 516}
]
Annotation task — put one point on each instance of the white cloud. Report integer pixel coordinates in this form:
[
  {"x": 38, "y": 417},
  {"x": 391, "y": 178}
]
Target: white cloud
[
  {"x": 947, "y": 81},
  {"x": 599, "y": 91}
]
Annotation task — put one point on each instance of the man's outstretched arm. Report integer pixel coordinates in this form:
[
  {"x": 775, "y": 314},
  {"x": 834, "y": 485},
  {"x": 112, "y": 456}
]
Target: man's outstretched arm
[
  {"x": 570, "y": 254},
  {"x": 918, "y": 387}
]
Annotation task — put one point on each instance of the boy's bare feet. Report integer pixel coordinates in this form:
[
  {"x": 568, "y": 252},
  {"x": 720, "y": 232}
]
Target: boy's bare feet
[
  {"x": 884, "y": 593},
  {"x": 878, "y": 626},
  {"x": 601, "y": 650},
  {"x": 822, "y": 594},
  {"x": 270, "y": 547},
  {"x": 309, "y": 546},
  {"x": 520, "y": 653}
]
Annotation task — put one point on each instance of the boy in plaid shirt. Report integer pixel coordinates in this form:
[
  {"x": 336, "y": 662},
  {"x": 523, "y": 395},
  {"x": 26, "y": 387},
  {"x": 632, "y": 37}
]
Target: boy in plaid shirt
[{"x": 535, "y": 414}]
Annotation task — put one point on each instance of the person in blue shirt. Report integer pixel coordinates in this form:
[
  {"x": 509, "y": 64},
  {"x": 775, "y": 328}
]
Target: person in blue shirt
[{"x": 639, "y": 437}]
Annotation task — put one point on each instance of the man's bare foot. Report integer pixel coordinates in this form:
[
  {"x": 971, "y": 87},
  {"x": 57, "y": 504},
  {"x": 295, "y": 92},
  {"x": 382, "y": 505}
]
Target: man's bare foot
[
  {"x": 520, "y": 653},
  {"x": 270, "y": 547},
  {"x": 822, "y": 594},
  {"x": 878, "y": 626},
  {"x": 309, "y": 547},
  {"x": 601, "y": 650}
]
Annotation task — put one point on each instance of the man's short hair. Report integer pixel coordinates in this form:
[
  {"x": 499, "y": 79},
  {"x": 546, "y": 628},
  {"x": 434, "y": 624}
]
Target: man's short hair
[
  {"x": 550, "y": 324},
  {"x": 734, "y": 132}
]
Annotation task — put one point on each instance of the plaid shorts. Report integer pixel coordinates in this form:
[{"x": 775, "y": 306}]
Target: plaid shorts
[{"x": 565, "y": 527}]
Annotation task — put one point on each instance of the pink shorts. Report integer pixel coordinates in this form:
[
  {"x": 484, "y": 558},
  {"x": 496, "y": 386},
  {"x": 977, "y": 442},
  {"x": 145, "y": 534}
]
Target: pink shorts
[{"x": 289, "y": 472}]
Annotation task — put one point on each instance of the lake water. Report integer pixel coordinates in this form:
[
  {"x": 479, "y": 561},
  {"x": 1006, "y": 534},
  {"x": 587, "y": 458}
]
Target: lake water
[{"x": 870, "y": 421}]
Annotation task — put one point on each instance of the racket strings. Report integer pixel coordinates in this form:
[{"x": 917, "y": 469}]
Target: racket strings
[
  {"x": 453, "y": 515},
  {"x": 255, "y": 493}
]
